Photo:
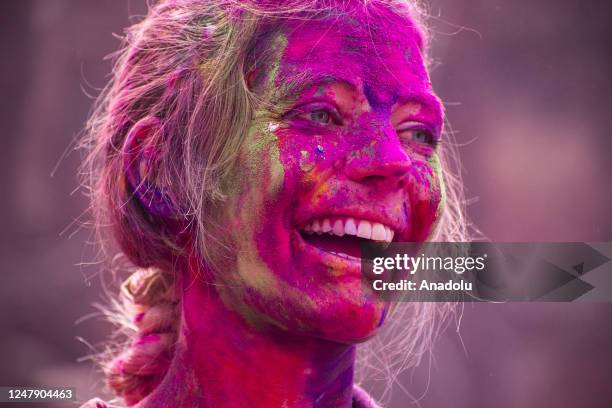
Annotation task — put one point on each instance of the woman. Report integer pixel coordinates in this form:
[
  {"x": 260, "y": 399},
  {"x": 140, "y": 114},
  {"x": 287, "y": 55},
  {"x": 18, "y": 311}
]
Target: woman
[{"x": 241, "y": 153}]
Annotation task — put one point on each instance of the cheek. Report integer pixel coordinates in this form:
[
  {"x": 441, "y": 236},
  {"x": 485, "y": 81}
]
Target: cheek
[
  {"x": 258, "y": 179},
  {"x": 256, "y": 186},
  {"x": 275, "y": 167},
  {"x": 426, "y": 195},
  {"x": 308, "y": 163}
]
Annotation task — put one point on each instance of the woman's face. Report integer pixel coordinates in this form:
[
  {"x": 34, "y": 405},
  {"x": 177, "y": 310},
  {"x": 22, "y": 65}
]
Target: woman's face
[{"x": 345, "y": 153}]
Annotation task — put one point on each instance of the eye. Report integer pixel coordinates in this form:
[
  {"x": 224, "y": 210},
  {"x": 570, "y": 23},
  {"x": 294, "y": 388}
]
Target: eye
[
  {"x": 417, "y": 133},
  {"x": 320, "y": 116},
  {"x": 422, "y": 136}
]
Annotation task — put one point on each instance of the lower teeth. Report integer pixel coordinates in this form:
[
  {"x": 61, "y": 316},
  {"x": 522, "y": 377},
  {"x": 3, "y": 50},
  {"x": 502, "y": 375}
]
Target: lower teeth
[{"x": 343, "y": 255}]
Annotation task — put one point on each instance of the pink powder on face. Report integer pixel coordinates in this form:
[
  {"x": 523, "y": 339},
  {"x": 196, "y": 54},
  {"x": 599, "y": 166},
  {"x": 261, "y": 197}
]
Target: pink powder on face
[{"x": 368, "y": 73}]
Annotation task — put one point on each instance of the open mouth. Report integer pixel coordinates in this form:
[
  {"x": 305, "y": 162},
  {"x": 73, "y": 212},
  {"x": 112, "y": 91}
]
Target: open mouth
[{"x": 344, "y": 236}]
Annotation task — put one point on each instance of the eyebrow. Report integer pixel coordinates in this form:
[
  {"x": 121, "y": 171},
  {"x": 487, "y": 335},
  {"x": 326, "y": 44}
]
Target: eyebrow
[
  {"x": 299, "y": 83},
  {"x": 429, "y": 100}
]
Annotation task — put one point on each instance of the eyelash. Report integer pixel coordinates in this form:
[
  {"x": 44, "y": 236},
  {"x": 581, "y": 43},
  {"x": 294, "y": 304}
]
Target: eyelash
[
  {"x": 431, "y": 140},
  {"x": 306, "y": 114}
]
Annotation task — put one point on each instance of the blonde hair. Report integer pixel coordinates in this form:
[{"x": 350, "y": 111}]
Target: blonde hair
[{"x": 185, "y": 64}]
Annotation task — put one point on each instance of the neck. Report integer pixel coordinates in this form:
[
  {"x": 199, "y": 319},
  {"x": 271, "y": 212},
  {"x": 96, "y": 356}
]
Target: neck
[{"x": 223, "y": 360}]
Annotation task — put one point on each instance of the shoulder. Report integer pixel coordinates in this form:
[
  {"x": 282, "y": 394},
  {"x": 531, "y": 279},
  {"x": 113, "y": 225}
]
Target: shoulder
[{"x": 362, "y": 399}]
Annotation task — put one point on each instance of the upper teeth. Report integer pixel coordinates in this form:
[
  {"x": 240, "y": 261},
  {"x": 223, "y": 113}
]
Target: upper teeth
[{"x": 351, "y": 226}]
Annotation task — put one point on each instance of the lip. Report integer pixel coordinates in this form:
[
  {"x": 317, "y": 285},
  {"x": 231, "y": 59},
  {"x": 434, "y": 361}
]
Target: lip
[
  {"x": 352, "y": 266},
  {"x": 401, "y": 229}
]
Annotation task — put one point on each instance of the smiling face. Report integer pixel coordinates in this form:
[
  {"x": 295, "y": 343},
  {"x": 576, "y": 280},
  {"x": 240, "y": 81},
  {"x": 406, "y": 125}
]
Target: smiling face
[{"x": 344, "y": 152}]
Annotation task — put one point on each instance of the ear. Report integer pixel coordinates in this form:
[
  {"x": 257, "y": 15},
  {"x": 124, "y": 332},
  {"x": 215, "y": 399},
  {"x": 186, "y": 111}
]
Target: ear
[
  {"x": 140, "y": 158},
  {"x": 253, "y": 76}
]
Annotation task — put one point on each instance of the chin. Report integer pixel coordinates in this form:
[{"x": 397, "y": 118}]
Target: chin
[{"x": 343, "y": 317}]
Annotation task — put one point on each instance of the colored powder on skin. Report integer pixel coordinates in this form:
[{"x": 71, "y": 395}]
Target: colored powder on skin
[
  {"x": 259, "y": 277},
  {"x": 434, "y": 176},
  {"x": 319, "y": 151},
  {"x": 306, "y": 164},
  {"x": 277, "y": 170},
  {"x": 260, "y": 142},
  {"x": 436, "y": 167},
  {"x": 320, "y": 90}
]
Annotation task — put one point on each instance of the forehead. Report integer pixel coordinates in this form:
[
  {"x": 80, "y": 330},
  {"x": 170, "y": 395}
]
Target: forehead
[{"x": 380, "y": 54}]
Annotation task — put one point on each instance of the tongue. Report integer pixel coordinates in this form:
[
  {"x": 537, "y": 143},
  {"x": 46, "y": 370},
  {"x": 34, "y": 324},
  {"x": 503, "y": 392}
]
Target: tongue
[{"x": 348, "y": 244}]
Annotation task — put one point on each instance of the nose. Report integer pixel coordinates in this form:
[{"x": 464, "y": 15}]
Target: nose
[{"x": 382, "y": 160}]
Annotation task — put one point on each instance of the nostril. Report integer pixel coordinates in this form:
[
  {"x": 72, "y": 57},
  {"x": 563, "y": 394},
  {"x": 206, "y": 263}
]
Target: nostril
[
  {"x": 372, "y": 179},
  {"x": 388, "y": 165}
]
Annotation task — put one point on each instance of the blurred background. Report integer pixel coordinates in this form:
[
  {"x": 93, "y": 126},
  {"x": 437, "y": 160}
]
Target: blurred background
[{"x": 527, "y": 88}]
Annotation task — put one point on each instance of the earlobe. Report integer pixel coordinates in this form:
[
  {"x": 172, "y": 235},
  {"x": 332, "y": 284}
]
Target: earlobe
[{"x": 140, "y": 158}]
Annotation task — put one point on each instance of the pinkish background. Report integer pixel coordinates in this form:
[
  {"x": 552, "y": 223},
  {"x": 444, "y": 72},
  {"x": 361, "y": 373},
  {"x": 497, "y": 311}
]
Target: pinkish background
[{"x": 527, "y": 87}]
